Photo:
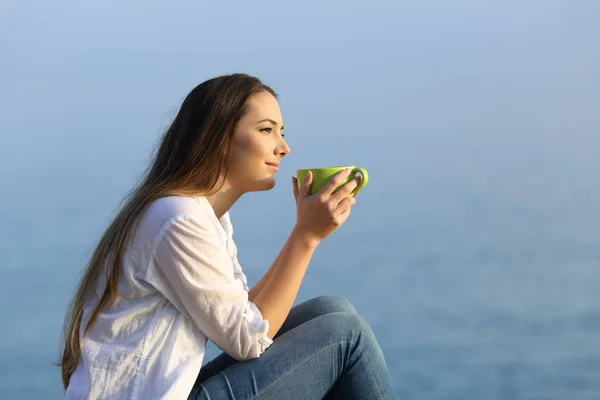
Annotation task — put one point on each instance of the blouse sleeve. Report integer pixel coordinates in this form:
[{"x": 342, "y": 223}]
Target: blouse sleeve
[{"x": 192, "y": 268}]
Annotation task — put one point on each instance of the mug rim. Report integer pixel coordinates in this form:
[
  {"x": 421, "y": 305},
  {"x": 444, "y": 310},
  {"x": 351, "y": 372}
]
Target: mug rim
[{"x": 337, "y": 167}]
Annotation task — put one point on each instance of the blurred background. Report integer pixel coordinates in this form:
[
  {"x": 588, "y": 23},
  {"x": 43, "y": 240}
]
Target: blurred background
[{"x": 474, "y": 252}]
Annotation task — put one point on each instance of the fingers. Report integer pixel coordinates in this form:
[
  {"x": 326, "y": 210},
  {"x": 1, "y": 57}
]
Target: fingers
[
  {"x": 305, "y": 185},
  {"x": 345, "y": 190},
  {"x": 346, "y": 214},
  {"x": 295, "y": 187},
  {"x": 344, "y": 206},
  {"x": 334, "y": 182}
]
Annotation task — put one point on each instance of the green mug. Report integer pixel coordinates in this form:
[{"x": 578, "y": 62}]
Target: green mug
[{"x": 322, "y": 175}]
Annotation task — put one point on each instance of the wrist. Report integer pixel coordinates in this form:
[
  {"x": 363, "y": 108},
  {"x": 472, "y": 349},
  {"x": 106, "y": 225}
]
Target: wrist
[{"x": 305, "y": 238}]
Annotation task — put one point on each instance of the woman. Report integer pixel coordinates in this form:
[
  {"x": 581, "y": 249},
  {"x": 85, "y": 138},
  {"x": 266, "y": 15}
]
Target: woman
[{"x": 165, "y": 277}]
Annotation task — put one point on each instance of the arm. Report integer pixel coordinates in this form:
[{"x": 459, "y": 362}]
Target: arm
[
  {"x": 281, "y": 284},
  {"x": 261, "y": 283},
  {"x": 317, "y": 217},
  {"x": 193, "y": 269}
]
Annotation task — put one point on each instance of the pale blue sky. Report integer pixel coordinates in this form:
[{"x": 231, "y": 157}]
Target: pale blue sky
[{"x": 504, "y": 94}]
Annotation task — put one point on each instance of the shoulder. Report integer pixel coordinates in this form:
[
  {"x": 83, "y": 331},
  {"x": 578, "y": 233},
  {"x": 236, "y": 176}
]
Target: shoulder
[
  {"x": 174, "y": 206},
  {"x": 167, "y": 211}
]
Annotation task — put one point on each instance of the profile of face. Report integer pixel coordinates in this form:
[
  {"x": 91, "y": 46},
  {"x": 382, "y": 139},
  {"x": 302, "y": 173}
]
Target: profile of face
[{"x": 257, "y": 146}]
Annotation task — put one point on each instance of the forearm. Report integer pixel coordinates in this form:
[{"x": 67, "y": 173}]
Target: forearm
[
  {"x": 278, "y": 293},
  {"x": 261, "y": 283}
]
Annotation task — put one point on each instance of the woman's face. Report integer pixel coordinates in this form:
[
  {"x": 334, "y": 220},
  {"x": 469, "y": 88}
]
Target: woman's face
[{"x": 258, "y": 146}]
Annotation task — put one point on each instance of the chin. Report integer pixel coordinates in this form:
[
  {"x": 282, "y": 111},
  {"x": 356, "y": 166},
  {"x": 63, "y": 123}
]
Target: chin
[{"x": 264, "y": 184}]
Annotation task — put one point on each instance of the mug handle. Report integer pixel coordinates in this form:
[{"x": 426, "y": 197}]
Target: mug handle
[{"x": 363, "y": 182}]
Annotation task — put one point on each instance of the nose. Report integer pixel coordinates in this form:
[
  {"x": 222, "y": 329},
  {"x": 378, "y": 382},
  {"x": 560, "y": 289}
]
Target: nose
[{"x": 282, "y": 148}]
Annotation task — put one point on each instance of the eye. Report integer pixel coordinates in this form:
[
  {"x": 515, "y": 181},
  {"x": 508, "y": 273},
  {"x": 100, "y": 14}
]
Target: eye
[{"x": 270, "y": 130}]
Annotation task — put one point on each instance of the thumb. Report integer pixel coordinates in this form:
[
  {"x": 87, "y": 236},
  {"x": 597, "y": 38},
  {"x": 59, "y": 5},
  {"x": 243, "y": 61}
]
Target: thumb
[
  {"x": 305, "y": 186},
  {"x": 295, "y": 187}
]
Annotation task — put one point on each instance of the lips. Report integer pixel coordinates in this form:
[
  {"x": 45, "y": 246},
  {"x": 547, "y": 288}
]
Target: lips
[{"x": 273, "y": 165}]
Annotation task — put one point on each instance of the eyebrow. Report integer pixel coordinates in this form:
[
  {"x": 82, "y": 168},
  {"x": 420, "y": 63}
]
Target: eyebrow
[{"x": 271, "y": 121}]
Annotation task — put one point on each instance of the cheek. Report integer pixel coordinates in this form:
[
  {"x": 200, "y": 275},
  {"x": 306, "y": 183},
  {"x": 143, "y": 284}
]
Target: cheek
[
  {"x": 247, "y": 156},
  {"x": 254, "y": 151}
]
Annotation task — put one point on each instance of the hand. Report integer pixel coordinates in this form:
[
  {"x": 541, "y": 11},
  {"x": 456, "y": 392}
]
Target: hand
[{"x": 319, "y": 215}]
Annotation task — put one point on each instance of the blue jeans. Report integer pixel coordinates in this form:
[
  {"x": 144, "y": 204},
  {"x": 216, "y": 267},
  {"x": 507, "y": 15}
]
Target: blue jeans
[{"x": 324, "y": 350}]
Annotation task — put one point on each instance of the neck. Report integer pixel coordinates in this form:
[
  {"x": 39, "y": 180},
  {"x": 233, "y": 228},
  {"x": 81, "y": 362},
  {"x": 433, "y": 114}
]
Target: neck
[{"x": 223, "y": 200}]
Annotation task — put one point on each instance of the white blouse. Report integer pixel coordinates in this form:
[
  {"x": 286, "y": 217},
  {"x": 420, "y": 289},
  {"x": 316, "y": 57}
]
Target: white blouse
[{"x": 181, "y": 285}]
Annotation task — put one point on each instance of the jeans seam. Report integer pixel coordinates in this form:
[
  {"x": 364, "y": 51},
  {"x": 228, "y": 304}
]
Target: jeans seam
[{"x": 297, "y": 366}]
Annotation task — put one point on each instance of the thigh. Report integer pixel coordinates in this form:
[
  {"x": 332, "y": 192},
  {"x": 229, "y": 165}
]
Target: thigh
[
  {"x": 303, "y": 363},
  {"x": 298, "y": 315}
]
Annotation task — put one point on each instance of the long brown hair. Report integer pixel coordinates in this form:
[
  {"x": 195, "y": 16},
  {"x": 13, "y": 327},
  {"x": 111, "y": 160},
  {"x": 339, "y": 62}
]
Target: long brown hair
[{"x": 192, "y": 158}]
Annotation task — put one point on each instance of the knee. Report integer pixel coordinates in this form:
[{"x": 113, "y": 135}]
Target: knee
[
  {"x": 331, "y": 304},
  {"x": 348, "y": 327}
]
